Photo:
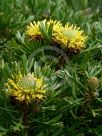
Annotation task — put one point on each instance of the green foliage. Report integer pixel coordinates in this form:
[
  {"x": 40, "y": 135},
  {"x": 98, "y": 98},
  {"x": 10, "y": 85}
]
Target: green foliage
[{"x": 70, "y": 107}]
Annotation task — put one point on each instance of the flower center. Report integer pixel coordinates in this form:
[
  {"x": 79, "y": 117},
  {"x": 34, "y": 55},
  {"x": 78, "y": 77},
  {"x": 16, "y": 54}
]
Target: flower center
[
  {"x": 27, "y": 82},
  {"x": 70, "y": 33}
]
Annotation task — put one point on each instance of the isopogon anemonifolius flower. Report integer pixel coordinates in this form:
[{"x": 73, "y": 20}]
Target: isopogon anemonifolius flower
[{"x": 26, "y": 88}]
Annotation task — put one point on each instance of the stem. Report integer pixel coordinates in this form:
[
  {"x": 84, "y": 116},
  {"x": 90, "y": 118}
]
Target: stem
[{"x": 25, "y": 118}]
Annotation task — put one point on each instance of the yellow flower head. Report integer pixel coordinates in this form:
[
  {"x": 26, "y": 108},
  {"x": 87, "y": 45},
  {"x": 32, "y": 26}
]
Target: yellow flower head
[
  {"x": 33, "y": 30},
  {"x": 27, "y": 88},
  {"x": 69, "y": 37}
]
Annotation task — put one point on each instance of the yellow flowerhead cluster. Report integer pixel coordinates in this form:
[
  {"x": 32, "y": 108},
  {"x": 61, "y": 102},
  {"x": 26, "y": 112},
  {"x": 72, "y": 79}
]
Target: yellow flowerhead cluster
[
  {"x": 71, "y": 37},
  {"x": 27, "y": 88},
  {"x": 68, "y": 37}
]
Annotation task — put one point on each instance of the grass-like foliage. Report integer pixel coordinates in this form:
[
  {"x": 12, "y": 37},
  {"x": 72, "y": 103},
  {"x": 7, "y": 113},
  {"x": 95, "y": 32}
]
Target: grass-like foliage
[{"x": 50, "y": 68}]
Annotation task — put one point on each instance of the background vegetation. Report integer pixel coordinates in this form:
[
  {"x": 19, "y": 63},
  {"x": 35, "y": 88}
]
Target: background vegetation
[{"x": 71, "y": 107}]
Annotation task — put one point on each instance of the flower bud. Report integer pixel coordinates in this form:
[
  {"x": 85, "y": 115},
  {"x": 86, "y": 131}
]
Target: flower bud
[
  {"x": 96, "y": 94},
  {"x": 93, "y": 83}
]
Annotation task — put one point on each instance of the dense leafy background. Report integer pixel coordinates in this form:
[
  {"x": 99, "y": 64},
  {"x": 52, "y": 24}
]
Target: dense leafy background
[{"x": 63, "y": 112}]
